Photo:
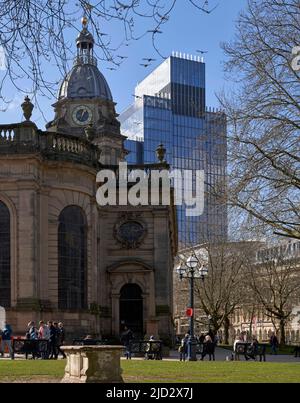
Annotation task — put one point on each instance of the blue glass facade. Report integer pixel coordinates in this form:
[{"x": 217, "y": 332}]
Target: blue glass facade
[{"x": 170, "y": 109}]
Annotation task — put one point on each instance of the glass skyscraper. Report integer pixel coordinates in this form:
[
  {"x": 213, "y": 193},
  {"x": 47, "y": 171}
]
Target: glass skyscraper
[{"x": 170, "y": 108}]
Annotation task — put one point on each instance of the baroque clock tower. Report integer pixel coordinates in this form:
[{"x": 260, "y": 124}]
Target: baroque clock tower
[{"x": 85, "y": 106}]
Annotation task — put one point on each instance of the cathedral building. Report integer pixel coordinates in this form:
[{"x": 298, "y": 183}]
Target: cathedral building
[{"x": 62, "y": 255}]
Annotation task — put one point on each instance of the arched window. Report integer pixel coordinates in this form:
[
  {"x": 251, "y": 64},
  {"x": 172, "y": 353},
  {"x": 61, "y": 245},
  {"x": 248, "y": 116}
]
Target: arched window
[
  {"x": 72, "y": 259},
  {"x": 5, "y": 281}
]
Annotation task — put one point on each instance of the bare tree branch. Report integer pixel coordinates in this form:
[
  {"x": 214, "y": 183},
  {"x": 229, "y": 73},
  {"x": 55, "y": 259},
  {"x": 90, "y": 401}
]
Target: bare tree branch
[
  {"x": 263, "y": 114},
  {"x": 33, "y": 34}
]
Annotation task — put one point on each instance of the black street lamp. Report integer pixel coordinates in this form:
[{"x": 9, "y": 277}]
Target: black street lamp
[{"x": 192, "y": 269}]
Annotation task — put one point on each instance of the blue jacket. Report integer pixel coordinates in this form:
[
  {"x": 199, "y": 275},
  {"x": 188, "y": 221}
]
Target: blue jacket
[{"x": 6, "y": 333}]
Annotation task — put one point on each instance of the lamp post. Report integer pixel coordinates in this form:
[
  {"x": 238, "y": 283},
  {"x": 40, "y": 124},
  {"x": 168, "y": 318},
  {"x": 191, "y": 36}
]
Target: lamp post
[{"x": 192, "y": 269}]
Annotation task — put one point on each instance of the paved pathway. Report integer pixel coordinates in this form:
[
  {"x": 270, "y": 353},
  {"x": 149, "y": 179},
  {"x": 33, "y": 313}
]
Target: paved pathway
[{"x": 221, "y": 355}]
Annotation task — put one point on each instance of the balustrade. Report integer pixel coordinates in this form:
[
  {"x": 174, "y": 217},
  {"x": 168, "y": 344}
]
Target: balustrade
[
  {"x": 7, "y": 134},
  {"x": 25, "y": 138}
]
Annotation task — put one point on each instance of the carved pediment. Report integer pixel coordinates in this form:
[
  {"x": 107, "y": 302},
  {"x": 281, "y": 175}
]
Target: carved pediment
[{"x": 129, "y": 266}]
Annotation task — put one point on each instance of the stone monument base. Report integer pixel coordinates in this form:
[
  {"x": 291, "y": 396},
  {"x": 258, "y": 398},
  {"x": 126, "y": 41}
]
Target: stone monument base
[{"x": 93, "y": 364}]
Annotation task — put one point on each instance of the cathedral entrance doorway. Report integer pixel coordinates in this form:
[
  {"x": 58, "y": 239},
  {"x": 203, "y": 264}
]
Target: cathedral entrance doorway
[{"x": 131, "y": 309}]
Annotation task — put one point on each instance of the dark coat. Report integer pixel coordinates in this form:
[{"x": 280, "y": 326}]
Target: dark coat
[
  {"x": 126, "y": 337},
  {"x": 53, "y": 334},
  {"x": 6, "y": 333},
  {"x": 209, "y": 347}
]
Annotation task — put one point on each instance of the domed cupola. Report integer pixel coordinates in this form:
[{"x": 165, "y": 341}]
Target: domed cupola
[
  {"x": 85, "y": 107},
  {"x": 85, "y": 80}
]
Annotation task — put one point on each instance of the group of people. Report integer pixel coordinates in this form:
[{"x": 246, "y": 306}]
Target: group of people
[
  {"x": 53, "y": 333},
  {"x": 46, "y": 339},
  {"x": 253, "y": 342},
  {"x": 208, "y": 343}
]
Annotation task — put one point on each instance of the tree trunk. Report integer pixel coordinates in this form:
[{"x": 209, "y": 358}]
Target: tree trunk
[
  {"x": 226, "y": 330},
  {"x": 282, "y": 332}
]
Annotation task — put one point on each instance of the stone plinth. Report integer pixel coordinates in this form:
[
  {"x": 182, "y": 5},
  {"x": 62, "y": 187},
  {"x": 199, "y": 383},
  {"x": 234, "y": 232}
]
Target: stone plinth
[{"x": 93, "y": 364}]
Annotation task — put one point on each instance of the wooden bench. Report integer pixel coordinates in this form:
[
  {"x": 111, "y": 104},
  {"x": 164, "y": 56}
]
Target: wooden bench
[
  {"x": 250, "y": 351},
  {"x": 151, "y": 350},
  {"x": 27, "y": 347}
]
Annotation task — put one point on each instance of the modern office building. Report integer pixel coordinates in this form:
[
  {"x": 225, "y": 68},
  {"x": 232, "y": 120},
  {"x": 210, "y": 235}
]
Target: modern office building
[{"x": 170, "y": 108}]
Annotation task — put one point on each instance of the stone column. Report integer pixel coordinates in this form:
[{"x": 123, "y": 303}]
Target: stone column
[
  {"x": 93, "y": 364},
  {"x": 115, "y": 320}
]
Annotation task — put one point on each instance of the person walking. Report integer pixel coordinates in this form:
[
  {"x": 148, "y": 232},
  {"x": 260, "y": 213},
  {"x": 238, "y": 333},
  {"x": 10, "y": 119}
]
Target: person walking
[
  {"x": 61, "y": 339},
  {"x": 274, "y": 343},
  {"x": 53, "y": 353},
  {"x": 6, "y": 335},
  {"x": 32, "y": 335},
  {"x": 44, "y": 335},
  {"x": 126, "y": 338},
  {"x": 208, "y": 348},
  {"x": 183, "y": 348}
]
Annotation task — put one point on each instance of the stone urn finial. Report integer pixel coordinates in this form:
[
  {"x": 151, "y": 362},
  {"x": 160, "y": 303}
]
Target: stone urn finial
[
  {"x": 89, "y": 132},
  {"x": 161, "y": 153},
  {"x": 27, "y": 107}
]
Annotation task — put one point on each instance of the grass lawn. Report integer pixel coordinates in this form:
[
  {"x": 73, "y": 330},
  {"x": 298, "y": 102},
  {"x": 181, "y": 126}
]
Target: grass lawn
[{"x": 162, "y": 372}]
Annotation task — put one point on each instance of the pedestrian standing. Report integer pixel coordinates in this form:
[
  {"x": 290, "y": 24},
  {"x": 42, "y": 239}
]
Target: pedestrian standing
[
  {"x": 6, "y": 335},
  {"x": 53, "y": 353},
  {"x": 183, "y": 348},
  {"x": 208, "y": 348},
  {"x": 274, "y": 343},
  {"x": 32, "y": 335},
  {"x": 126, "y": 338},
  {"x": 61, "y": 339},
  {"x": 44, "y": 337}
]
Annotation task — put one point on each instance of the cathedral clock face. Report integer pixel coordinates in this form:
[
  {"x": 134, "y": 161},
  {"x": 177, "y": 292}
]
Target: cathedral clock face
[{"x": 82, "y": 115}]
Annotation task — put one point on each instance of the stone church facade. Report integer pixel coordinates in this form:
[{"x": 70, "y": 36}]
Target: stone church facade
[{"x": 62, "y": 256}]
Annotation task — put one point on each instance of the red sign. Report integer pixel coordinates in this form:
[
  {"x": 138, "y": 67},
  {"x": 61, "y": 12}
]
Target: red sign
[{"x": 189, "y": 312}]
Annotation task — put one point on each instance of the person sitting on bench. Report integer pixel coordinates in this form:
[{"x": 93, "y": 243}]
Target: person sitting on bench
[
  {"x": 252, "y": 352},
  {"x": 152, "y": 349}
]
